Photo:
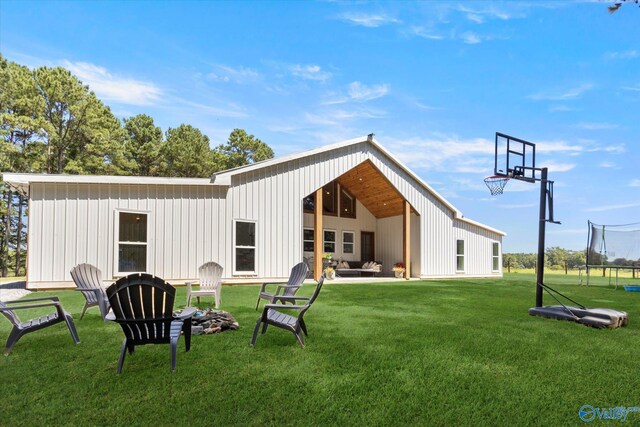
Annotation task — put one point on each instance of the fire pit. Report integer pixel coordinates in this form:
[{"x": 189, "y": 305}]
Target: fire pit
[{"x": 211, "y": 321}]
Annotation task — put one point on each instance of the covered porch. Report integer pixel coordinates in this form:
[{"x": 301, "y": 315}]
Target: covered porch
[{"x": 361, "y": 216}]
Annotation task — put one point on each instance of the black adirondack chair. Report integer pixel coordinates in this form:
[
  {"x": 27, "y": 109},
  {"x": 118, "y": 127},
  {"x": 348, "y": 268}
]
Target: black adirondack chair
[
  {"x": 88, "y": 280},
  {"x": 143, "y": 306},
  {"x": 286, "y": 289},
  {"x": 21, "y": 328},
  {"x": 271, "y": 315}
]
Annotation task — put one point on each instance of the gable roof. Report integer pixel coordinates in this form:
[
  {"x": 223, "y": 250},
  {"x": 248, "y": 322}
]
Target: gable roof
[{"x": 224, "y": 177}]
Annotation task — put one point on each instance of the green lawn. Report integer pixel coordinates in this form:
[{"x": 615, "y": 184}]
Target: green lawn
[{"x": 454, "y": 352}]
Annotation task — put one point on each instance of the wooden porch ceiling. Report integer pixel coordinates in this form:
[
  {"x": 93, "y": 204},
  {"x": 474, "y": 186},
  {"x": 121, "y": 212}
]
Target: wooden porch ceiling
[{"x": 374, "y": 191}]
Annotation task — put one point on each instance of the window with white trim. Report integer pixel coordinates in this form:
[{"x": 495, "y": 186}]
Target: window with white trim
[
  {"x": 132, "y": 242},
  {"x": 244, "y": 250},
  {"x": 459, "y": 255},
  {"x": 329, "y": 244},
  {"x": 495, "y": 258},
  {"x": 348, "y": 241},
  {"x": 307, "y": 239}
]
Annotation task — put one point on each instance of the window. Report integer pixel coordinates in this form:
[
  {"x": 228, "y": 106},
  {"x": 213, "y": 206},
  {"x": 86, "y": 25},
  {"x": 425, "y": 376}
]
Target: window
[
  {"x": 329, "y": 241},
  {"x": 347, "y": 204},
  {"x": 329, "y": 200},
  {"x": 347, "y": 242},
  {"x": 245, "y": 247},
  {"x": 459, "y": 255},
  {"x": 496, "y": 256},
  {"x": 132, "y": 242},
  {"x": 307, "y": 240}
]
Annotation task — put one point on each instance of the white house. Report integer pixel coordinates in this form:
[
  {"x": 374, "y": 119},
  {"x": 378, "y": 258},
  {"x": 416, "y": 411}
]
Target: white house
[{"x": 353, "y": 199}]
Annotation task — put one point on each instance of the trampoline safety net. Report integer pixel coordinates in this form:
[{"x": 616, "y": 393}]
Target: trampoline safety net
[{"x": 614, "y": 244}]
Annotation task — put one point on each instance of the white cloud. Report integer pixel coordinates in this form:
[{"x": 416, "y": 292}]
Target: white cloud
[
  {"x": 369, "y": 20},
  {"x": 470, "y": 38},
  {"x": 634, "y": 183},
  {"x": 479, "y": 15},
  {"x": 357, "y": 92},
  {"x": 340, "y": 116},
  {"x": 558, "y": 147},
  {"x": 425, "y": 33},
  {"x": 445, "y": 153},
  {"x": 613, "y": 207},
  {"x": 360, "y": 92},
  {"x": 562, "y": 95},
  {"x": 596, "y": 126},
  {"x": 620, "y": 148},
  {"x": 635, "y": 88},
  {"x": 559, "y": 167},
  {"x": 627, "y": 54},
  {"x": 423, "y": 106},
  {"x": 230, "y": 110},
  {"x": 608, "y": 165},
  {"x": 114, "y": 88},
  {"x": 473, "y": 17},
  {"x": 556, "y": 108},
  {"x": 310, "y": 72},
  {"x": 226, "y": 73}
]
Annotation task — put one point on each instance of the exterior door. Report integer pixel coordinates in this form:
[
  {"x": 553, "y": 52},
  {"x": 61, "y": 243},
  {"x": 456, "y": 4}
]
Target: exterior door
[{"x": 367, "y": 246}]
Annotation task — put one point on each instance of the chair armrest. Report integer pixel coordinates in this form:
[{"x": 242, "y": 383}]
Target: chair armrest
[
  {"x": 290, "y": 298},
  {"x": 281, "y": 288},
  {"x": 284, "y": 306},
  {"x": 44, "y": 304},
  {"x": 186, "y": 313},
  {"x": 264, "y": 285},
  {"x": 20, "y": 301}
]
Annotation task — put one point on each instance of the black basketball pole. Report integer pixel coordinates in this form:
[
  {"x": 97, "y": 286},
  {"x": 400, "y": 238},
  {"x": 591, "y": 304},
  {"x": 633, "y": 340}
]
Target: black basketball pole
[{"x": 541, "y": 231}]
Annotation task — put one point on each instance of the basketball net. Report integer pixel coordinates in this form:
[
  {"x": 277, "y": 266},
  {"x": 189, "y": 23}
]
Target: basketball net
[{"x": 496, "y": 183}]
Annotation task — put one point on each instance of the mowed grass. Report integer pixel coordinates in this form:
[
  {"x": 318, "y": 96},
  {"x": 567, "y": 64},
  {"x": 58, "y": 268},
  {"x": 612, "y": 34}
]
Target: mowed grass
[{"x": 441, "y": 352}]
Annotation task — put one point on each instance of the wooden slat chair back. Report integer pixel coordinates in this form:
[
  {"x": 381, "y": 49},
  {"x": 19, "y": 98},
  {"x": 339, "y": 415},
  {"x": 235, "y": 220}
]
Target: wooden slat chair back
[
  {"x": 210, "y": 283},
  {"x": 21, "y": 328},
  {"x": 88, "y": 280},
  {"x": 286, "y": 289},
  {"x": 143, "y": 306},
  {"x": 272, "y": 315}
]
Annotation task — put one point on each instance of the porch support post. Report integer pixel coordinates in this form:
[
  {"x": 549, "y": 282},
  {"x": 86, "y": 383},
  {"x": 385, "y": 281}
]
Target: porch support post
[
  {"x": 406, "y": 244},
  {"x": 317, "y": 235}
]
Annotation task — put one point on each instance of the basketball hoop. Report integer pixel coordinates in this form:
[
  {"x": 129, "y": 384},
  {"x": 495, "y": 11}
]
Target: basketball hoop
[{"x": 496, "y": 183}]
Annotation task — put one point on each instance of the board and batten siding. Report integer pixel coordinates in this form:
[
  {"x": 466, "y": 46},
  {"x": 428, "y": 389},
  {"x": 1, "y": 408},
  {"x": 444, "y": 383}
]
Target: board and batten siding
[
  {"x": 272, "y": 196},
  {"x": 74, "y": 223},
  {"x": 478, "y": 249}
]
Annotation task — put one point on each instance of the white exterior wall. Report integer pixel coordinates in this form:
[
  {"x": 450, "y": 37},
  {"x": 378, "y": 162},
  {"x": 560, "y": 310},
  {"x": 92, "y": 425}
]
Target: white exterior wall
[
  {"x": 75, "y": 223},
  {"x": 478, "y": 249},
  {"x": 272, "y": 196},
  {"x": 71, "y": 223}
]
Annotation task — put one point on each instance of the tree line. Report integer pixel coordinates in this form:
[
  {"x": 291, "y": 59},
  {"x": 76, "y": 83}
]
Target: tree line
[
  {"x": 50, "y": 122},
  {"x": 555, "y": 258}
]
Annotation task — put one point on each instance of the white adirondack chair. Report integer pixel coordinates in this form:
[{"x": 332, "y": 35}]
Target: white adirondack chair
[{"x": 210, "y": 283}]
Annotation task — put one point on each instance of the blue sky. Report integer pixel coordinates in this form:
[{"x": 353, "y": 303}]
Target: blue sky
[{"x": 433, "y": 80}]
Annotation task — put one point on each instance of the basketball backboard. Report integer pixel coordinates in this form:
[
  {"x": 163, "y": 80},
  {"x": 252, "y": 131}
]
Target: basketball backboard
[{"x": 514, "y": 158}]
